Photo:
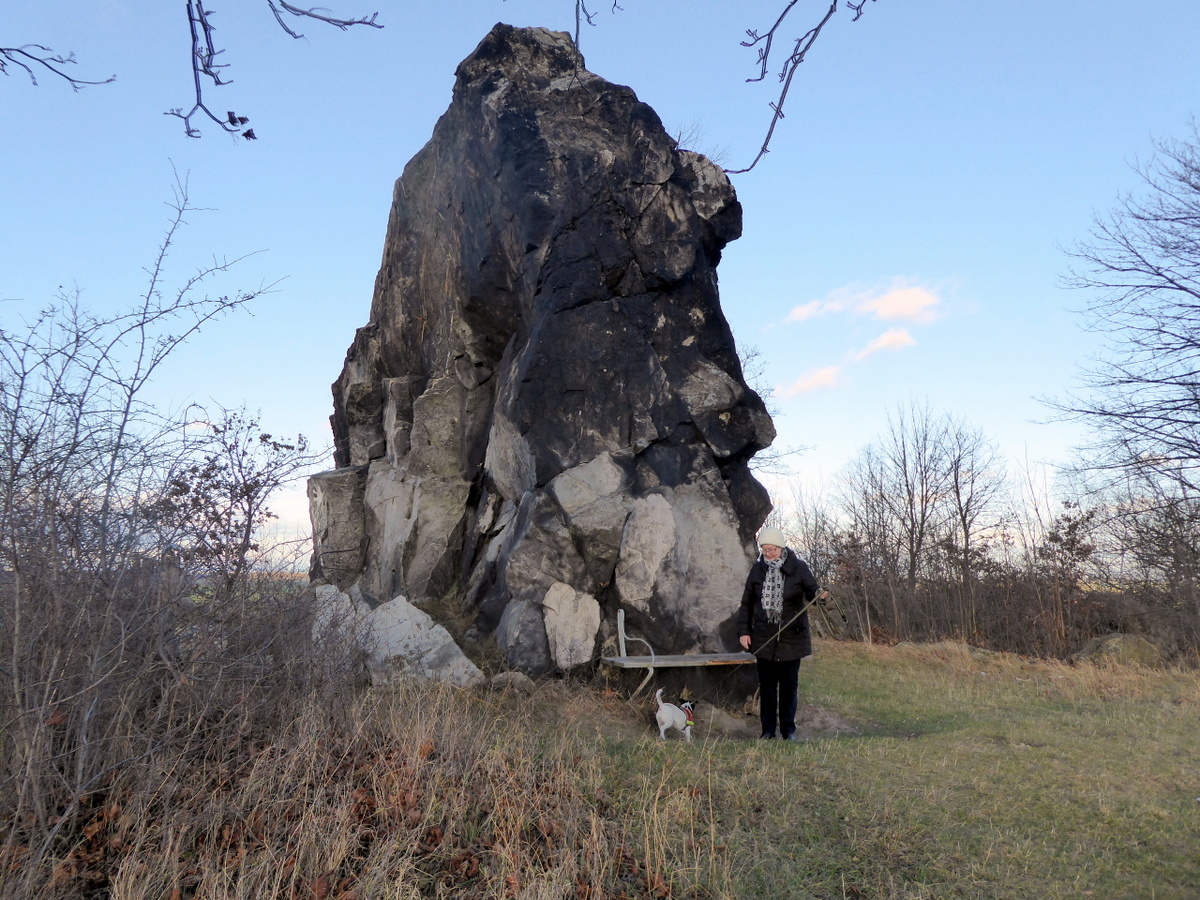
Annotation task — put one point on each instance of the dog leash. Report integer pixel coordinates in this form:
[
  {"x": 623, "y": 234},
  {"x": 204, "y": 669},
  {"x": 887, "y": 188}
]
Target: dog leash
[{"x": 776, "y": 635}]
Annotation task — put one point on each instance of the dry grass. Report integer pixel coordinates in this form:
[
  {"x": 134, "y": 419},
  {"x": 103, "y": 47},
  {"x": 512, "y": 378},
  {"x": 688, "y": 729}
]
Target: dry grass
[
  {"x": 422, "y": 792},
  {"x": 973, "y": 776}
]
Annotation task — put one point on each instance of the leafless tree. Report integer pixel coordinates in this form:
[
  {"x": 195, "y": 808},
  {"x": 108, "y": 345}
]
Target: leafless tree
[
  {"x": 214, "y": 508},
  {"x": 1065, "y": 559},
  {"x": 112, "y": 517},
  {"x": 1142, "y": 263},
  {"x": 1151, "y": 532},
  {"x": 919, "y": 501},
  {"x": 903, "y": 484},
  {"x": 977, "y": 492}
]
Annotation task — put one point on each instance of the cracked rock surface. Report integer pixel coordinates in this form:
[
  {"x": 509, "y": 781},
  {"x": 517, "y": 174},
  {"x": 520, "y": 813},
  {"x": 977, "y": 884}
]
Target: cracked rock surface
[{"x": 545, "y": 420}]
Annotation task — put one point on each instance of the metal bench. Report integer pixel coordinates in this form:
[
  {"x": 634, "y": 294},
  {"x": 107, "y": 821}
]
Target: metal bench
[{"x": 665, "y": 661}]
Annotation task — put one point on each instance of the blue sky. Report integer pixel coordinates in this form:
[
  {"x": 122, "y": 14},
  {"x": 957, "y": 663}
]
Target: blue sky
[{"x": 903, "y": 239}]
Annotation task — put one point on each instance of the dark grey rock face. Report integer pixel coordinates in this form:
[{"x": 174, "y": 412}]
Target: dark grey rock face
[{"x": 547, "y": 401}]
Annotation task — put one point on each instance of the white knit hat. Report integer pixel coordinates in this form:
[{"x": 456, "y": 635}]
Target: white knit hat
[{"x": 773, "y": 536}]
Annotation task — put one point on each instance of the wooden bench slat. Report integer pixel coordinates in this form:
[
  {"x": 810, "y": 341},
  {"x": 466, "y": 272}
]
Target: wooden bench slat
[
  {"x": 667, "y": 661},
  {"x": 679, "y": 660}
]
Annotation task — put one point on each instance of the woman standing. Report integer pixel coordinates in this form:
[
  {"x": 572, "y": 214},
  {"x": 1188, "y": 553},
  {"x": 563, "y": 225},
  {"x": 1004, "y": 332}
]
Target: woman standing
[{"x": 773, "y": 625}]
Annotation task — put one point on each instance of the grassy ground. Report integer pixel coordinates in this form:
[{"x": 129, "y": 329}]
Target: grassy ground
[
  {"x": 968, "y": 775},
  {"x": 974, "y": 776}
]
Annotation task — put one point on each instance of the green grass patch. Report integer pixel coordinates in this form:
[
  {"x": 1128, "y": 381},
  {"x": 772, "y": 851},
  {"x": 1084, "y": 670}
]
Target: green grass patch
[{"x": 974, "y": 776}]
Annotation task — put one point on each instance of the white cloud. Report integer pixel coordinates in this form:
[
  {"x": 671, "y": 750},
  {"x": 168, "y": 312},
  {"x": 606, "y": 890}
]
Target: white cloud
[
  {"x": 805, "y": 311},
  {"x": 892, "y": 339},
  {"x": 900, "y": 301},
  {"x": 913, "y": 304},
  {"x": 821, "y": 378}
]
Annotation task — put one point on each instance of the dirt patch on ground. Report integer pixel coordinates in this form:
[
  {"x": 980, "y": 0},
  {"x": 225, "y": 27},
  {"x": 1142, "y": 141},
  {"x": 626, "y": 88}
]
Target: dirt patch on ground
[
  {"x": 812, "y": 722},
  {"x": 612, "y": 716}
]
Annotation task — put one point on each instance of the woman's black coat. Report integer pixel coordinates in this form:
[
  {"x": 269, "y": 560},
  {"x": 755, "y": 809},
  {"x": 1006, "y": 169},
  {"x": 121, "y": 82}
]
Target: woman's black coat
[{"x": 799, "y": 586}]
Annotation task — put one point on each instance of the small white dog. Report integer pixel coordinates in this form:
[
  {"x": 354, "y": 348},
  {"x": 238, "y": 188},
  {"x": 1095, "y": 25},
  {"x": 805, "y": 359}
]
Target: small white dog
[{"x": 671, "y": 716}]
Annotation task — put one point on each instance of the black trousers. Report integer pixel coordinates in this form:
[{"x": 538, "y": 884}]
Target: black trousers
[{"x": 777, "y": 690}]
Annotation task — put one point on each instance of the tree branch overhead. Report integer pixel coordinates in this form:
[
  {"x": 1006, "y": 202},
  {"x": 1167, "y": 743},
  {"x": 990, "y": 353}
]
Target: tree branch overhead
[
  {"x": 765, "y": 43},
  {"x": 206, "y": 68}
]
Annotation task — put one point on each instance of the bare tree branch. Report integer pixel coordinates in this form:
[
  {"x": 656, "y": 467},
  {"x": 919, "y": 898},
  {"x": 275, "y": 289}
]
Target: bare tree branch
[
  {"x": 1143, "y": 265},
  {"x": 317, "y": 13},
  {"x": 764, "y": 42},
  {"x": 205, "y": 64},
  {"x": 29, "y": 56},
  {"x": 787, "y": 72},
  {"x": 205, "y": 55}
]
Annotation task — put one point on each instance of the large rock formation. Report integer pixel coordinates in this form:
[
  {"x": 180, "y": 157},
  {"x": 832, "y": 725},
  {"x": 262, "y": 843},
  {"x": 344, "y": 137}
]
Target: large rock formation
[{"x": 545, "y": 418}]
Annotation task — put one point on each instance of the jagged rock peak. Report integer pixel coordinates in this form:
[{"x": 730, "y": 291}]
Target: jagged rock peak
[
  {"x": 528, "y": 56},
  {"x": 544, "y": 419}
]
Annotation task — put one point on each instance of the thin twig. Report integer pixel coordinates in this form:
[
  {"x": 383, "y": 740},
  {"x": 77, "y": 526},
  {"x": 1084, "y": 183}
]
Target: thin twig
[{"x": 30, "y": 55}]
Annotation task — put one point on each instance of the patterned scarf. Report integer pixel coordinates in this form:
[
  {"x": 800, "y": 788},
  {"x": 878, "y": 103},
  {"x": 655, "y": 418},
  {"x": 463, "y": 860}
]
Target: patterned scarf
[{"x": 772, "y": 592}]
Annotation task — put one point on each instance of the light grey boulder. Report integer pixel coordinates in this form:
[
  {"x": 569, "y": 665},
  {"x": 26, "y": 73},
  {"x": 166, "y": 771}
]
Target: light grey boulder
[
  {"x": 683, "y": 564},
  {"x": 339, "y": 631},
  {"x": 578, "y": 488},
  {"x": 509, "y": 460},
  {"x": 403, "y": 642},
  {"x": 572, "y": 621},
  {"x": 416, "y": 525},
  {"x": 541, "y": 550},
  {"x": 648, "y": 536},
  {"x": 595, "y": 499}
]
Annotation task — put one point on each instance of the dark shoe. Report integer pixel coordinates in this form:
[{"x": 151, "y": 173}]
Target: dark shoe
[
  {"x": 768, "y": 736},
  {"x": 791, "y": 737}
]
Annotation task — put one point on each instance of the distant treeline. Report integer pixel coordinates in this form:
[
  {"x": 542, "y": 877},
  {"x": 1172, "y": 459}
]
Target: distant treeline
[{"x": 924, "y": 537}]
